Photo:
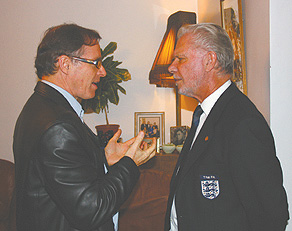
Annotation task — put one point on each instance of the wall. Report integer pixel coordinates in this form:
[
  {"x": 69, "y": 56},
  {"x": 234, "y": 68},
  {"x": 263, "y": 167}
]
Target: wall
[
  {"x": 281, "y": 85},
  {"x": 268, "y": 40},
  {"x": 257, "y": 47},
  {"x": 137, "y": 27},
  {"x": 209, "y": 11}
]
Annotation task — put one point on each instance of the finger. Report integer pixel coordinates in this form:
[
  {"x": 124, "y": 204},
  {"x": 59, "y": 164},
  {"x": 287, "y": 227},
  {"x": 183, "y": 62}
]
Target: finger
[
  {"x": 149, "y": 156},
  {"x": 130, "y": 141},
  {"x": 117, "y": 135},
  {"x": 143, "y": 145},
  {"x": 150, "y": 152},
  {"x": 138, "y": 140},
  {"x": 153, "y": 144}
]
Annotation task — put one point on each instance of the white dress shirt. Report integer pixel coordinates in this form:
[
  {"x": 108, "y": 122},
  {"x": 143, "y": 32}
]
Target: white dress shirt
[{"x": 207, "y": 106}]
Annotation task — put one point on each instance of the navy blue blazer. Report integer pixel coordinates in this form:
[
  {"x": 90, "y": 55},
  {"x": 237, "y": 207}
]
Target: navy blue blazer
[{"x": 231, "y": 179}]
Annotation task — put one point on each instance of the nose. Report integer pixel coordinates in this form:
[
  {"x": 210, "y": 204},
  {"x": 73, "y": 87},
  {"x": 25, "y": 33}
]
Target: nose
[
  {"x": 101, "y": 72},
  {"x": 172, "y": 67}
]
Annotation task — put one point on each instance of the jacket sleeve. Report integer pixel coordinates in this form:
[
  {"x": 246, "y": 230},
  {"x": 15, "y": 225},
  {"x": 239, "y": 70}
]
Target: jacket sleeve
[
  {"x": 257, "y": 175},
  {"x": 73, "y": 175}
]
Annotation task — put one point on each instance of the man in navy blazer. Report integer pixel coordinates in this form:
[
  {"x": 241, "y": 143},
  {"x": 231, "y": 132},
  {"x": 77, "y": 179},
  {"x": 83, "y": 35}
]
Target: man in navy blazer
[{"x": 227, "y": 177}]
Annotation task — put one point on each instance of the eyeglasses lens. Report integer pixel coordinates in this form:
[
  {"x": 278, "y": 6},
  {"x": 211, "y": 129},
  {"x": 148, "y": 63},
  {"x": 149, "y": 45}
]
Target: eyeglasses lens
[{"x": 98, "y": 64}]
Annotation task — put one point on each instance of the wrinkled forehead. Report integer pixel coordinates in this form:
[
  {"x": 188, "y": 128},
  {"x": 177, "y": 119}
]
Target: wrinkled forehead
[
  {"x": 89, "y": 49},
  {"x": 186, "y": 46}
]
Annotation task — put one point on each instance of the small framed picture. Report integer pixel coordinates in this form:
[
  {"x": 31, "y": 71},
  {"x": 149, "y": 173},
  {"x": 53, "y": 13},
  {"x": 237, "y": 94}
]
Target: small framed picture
[
  {"x": 152, "y": 123},
  {"x": 178, "y": 134}
]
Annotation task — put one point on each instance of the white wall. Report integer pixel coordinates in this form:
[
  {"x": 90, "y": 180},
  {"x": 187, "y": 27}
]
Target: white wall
[
  {"x": 209, "y": 11},
  {"x": 281, "y": 85},
  {"x": 137, "y": 27},
  {"x": 257, "y": 53}
]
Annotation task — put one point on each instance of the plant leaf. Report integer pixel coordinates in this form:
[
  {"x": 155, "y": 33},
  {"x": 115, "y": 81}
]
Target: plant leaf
[
  {"x": 121, "y": 89},
  {"x": 109, "y": 49},
  {"x": 108, "y": 86}
]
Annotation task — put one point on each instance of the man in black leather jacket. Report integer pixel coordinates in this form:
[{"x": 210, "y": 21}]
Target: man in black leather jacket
[{"x": 64, "y": 179}]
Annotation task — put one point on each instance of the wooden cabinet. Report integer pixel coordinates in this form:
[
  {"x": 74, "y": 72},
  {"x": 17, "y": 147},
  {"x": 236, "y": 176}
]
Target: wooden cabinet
[{"x": 162, "y": 162}]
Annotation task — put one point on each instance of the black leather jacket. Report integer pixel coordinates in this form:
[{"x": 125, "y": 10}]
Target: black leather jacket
[{"x": 60, "y": 178}]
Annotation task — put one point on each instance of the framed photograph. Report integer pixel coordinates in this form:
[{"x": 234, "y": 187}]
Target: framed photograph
[
  {"x": 178, "y": 134},
  {"x": 231, "y": 14},
  {"x": 152, "y": 123}
]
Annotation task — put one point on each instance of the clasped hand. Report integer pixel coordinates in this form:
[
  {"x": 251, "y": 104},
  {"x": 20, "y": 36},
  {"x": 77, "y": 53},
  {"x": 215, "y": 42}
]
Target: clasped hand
[{"x": 134, "y": 148}]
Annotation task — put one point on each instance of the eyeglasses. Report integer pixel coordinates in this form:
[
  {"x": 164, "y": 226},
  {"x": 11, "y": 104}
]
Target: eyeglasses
[{"x": 96, "y": 63}]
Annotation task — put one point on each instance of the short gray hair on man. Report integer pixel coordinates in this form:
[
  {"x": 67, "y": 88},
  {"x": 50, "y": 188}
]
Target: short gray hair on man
[{"x": 211, "y": 37}]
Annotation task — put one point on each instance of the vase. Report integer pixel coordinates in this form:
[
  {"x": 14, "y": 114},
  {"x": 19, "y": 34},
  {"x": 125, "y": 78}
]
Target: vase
[{"x": 106, "y": 132}]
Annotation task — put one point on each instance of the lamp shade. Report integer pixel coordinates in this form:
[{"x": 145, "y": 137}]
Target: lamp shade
[{"x": 159, "y": 73}]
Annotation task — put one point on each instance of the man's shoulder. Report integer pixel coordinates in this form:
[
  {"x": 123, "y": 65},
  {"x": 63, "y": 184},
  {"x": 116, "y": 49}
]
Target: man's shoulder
[
  {"x": 234, "y": 101},
  {"x": 41, "y": 112},
  {"x": 241, "y": 106},
  {"x": 233, "y": 106}
]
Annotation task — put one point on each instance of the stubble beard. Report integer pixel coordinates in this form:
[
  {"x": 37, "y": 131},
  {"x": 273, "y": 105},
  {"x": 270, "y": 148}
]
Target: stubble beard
[{"x": 187, "y": 90}]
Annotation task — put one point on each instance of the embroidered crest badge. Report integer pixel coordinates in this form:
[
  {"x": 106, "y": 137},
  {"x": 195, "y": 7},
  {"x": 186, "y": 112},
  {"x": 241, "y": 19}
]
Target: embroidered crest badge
[{"x": 210, "y": 186}]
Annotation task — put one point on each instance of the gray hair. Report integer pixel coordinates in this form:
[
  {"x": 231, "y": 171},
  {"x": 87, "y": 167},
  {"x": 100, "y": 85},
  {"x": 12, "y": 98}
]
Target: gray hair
[{"x": 212, "y": 37}]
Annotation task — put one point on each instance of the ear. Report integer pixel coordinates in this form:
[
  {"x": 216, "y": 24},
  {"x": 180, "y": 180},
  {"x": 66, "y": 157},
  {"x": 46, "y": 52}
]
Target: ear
[
  {"x": 64, "y": 63},
  {"x": 210, "y": 61}
]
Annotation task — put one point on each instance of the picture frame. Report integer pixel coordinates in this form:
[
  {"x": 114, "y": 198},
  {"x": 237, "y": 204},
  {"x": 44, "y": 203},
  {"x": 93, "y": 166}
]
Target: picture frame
[
  {"x": 231, "y": 18},
  {"x": 178, "y": 134},
  {"x": 152, "y": 123}
]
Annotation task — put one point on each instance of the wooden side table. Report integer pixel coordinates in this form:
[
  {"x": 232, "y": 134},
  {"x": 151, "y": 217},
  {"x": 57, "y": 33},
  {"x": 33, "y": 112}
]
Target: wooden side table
[{"x": 162, "y": 162}]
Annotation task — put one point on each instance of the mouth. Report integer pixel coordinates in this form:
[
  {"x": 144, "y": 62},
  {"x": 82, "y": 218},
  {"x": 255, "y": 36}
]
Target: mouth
[
  {"x": 95, "y": 84},
  {"x": 176, "y": 79}
]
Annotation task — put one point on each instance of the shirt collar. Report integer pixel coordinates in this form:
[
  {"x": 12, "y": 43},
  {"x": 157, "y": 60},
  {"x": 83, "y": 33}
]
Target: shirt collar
[
  {"x": 210, "y": 101},
  {"x": 72, "y": 101}
]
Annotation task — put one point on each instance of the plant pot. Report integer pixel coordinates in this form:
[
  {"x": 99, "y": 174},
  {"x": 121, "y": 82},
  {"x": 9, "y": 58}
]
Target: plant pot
[{"x": 106, "y": 132}]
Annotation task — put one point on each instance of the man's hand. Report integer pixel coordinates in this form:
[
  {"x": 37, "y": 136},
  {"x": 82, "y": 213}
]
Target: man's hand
[
  {"x": 114, "y": 151},
  {"x": 134, "y": 148},
  {"x": 139, "y": 152}
]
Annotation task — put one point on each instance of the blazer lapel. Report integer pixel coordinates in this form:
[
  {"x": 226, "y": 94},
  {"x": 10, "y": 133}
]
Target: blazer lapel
[
  {"x": 52, "y": 94},
  {"x": 89, "y": 138},
  {"x": 205, "y": 135},
  {"x": 199, "y": 147},
  {"x": 94, "y": 137}
]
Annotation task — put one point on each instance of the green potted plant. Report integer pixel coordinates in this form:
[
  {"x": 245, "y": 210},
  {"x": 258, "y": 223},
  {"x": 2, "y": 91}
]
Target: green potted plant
[{"x": 107, "y": 91}]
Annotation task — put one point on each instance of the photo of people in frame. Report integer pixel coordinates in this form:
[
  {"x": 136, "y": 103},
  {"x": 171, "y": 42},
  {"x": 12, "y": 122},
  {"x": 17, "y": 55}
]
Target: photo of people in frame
[
  {"x": 150, "y": 126},
  {"x": 178, "y": 134},
  {"x": 152, "y": 123}
]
